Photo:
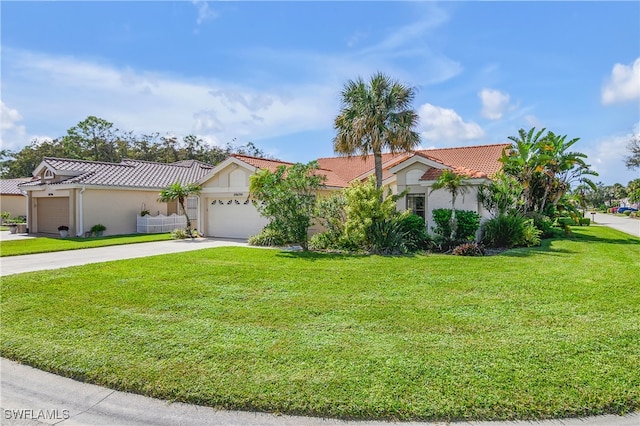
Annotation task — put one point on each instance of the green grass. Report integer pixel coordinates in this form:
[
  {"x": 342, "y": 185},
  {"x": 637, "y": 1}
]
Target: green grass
[
  {"x": 50, "y": 244},
  {"x": 4, "y": 228},
  {"x": 534, "y": 333}
]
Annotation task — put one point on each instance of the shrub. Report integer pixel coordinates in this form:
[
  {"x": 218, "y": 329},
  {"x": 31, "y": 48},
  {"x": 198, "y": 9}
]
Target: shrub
[
  {"x": 627, "y": 212},
  {"x": 545, "y": 224},
  {"x": 585, "y": 221},
  {"x": 530, "y": 234},
  {"x": 363, "y": 208},
  {"x": 323, "y": 241},
  {"x": 268, "y": 237},
  {"x": 467, "y": 224},
  {"x": 468, "y": 249},
  {"x": 179, "y": 234},
  {"x": 98, "y": 228},
  {"x": 503, "y": 231},
  {"x": 385, "y": 237},
  {"x": 414, "y": 231}
]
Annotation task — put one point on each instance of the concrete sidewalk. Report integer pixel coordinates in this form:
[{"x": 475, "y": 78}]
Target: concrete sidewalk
[
  {"x": 33, "y": 395},
  {"x": 624, "y": 224},
  {"x": 61, "y": 259}
]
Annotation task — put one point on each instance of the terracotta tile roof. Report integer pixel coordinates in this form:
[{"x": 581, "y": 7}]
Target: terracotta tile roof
[
  {"x": 333, "y": 179},
  {"x": 349, "y": 168},
  {"x": 128, "y": 173},
  {"x": 479, "y": 161},
  {"x": 473, "y": 161},
  {"x": 10, "y": 186}
]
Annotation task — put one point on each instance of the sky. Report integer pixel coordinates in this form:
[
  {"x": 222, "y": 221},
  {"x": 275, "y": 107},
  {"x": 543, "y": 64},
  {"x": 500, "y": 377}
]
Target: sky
[{"x": 271, "y": 72}]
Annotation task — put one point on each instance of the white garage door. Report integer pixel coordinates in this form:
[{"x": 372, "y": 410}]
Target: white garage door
[
  {"x": 234, "y": 218},
  {"x": 52, "y": 212}
]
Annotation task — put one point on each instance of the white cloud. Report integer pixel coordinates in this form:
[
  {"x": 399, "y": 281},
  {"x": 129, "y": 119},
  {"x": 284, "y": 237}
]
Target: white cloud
[
  {"x": 494, "y": 103},
  {"x": 623, "y": 84},
  {"x": 204, "y": 12},
  {"x": 12, "y": 134},
  {"x": 607, "y": 158},
  {"x": 445, "y": 125},
  {"x": 65, "y": 90},
  {"x": 533, "y": 121}
]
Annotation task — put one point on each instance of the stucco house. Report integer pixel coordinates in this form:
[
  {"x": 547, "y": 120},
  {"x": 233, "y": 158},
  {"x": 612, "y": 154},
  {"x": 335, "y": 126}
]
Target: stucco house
[
  {"x": 12, "y": 198},
  {"x": 82, "y": 193}
]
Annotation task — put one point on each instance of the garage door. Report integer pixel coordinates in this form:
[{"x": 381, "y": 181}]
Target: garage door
[
  {"x": 52, "y": 212},
  {"x": 234, "y": 218}
]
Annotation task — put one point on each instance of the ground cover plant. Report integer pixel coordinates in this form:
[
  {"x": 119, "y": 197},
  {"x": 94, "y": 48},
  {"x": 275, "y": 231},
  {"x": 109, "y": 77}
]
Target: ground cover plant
[
  {"x": 549, "y": 331},
  {"x": 51, "y": 244}
]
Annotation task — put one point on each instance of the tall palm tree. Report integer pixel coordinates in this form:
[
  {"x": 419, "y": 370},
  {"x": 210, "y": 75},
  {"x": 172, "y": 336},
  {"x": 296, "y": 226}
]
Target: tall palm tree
[
  {"x": 376, "y": 116},
  {"x": 456, "y": 185},
  {"x": 180, "y": 192}
]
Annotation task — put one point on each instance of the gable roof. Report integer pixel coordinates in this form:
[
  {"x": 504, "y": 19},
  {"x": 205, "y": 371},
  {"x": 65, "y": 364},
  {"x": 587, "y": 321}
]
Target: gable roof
[
  {"x": 480, "y": 161},
  {"x": 10, "y": 186},
  {"x": 332, "y": 178},
  {"x": 128, "y": 173}
]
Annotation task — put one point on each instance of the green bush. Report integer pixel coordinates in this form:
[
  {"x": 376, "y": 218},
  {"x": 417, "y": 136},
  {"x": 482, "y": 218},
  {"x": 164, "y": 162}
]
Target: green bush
[
  {"x": 503, "y": 231},
  {"x": 467, "y": 224},
  {"x": 627, "y": 212},
  {"x": 323, "y": 241},
  {"x": 414, "y": 231},
  {"x": 585, "y": 221},
  {"x": 468, "y": 249},
  {"x": 269, "y": 237},
  {"x": 386, "y": 237},
  {"x": 530, "y": 235},
  {"x": 179, "y": 234},
  {"x": 565, "y": 221},
  {"x": 545, "y": 224}
]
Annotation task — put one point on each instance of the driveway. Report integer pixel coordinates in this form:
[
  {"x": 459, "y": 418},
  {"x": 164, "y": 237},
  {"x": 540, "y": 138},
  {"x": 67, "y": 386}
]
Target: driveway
[
  {"x": 61, "y": 259},
  {"x": 624, "y": 224}
]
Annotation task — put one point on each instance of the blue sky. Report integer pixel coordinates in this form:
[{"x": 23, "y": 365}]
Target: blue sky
[{"x": 271, "y": 72}]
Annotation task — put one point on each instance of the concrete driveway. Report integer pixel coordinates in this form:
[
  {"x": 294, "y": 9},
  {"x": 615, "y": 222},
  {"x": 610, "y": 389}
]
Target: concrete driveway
[{"x": 61, "y": 259}]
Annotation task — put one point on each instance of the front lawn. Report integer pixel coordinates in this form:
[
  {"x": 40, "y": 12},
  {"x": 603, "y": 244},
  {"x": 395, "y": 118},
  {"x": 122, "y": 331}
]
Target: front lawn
[
  {"x": 529, "y": 334},
  {"x": 49, "y": 244}
]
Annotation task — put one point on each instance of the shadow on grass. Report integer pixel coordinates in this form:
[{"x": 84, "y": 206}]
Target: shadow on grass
[
  {"x": 545, "y": 248},
  {"x": 314, "y": 255}
]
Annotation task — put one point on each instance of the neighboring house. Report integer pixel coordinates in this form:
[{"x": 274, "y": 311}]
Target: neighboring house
[
  {"x": 12, "y": 198},
  {"x": 86, "y": 192},
  {"x": 80, "y": 194}
]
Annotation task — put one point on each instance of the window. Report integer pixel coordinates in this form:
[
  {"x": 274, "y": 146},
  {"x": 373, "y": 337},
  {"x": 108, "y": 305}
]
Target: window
[
  {"x": 48, "y": 174},
  {"x": 415, "y": 203}
]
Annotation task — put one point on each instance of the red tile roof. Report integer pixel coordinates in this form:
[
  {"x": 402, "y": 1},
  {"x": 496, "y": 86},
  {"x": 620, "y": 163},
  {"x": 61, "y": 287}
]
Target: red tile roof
[
  {"x": 333, "y": 179},
  {"x": 473, "y": 161}
]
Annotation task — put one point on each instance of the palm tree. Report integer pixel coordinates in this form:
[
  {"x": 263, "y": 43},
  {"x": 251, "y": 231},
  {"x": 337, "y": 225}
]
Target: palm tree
[
  {"x": 376, "y": 116},
  {"x": 179, "y": 192},
  {"x": 562, "y": 168},
  {"x": 456, "y": 185},
  {"x": 523, "y": 160}
]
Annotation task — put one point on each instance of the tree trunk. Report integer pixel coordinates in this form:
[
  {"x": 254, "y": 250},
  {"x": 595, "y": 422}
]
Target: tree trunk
[
  {"x": 181, "y": 200},
  {"x": 377, "y": 158},
  {"x": 453, "y": 216}
]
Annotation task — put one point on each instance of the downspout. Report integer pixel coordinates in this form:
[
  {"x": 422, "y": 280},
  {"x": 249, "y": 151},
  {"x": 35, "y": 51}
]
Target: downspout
[{"x": 80, "y": 230}]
